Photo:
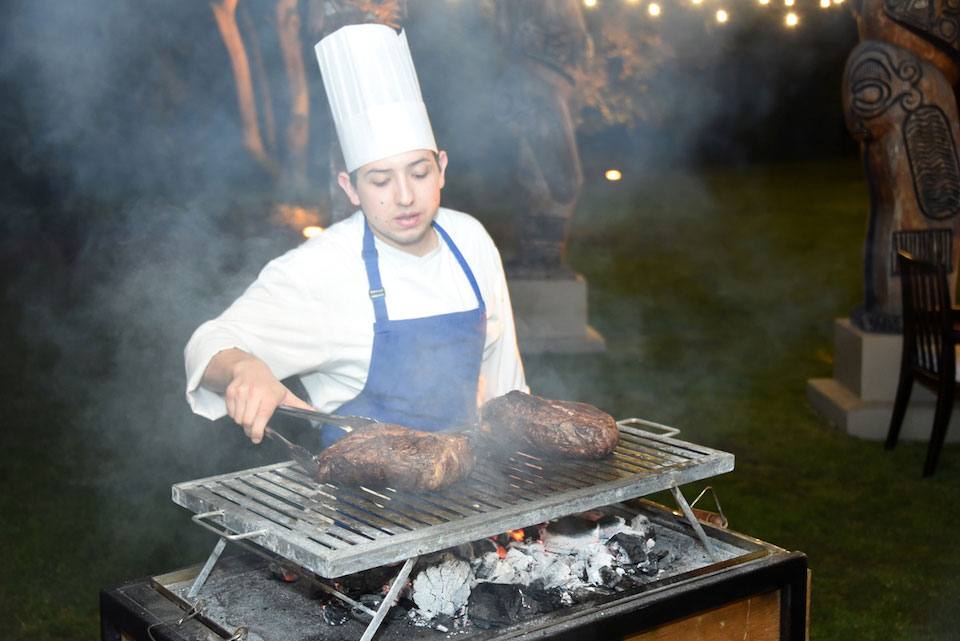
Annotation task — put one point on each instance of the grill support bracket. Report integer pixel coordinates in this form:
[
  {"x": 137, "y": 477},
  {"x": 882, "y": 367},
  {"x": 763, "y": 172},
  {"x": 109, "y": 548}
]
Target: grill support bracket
[
  {"x": 692, "y": 520},
  {"x": 376, "y": 617}
]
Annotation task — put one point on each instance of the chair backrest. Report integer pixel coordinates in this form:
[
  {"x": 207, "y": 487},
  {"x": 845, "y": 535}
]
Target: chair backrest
[{"x": 927, "y": 324}]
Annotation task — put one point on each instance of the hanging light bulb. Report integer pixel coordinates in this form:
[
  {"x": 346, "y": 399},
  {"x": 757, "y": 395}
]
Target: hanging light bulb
[
  {"x": 824, "y": 4},
  {"x": 764, "y": 2},
  {"x": 589, "y": 4},
  {"x": 791, "y": 19},
  {"x": 654, "y": 9},
  {"x": 722, "y": 16},
  {"x": 789, "y": 3}
]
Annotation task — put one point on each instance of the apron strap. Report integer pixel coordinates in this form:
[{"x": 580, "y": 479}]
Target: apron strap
[
  {"x": 463, "y": 264},
  {"x": 372, "y": 264}
]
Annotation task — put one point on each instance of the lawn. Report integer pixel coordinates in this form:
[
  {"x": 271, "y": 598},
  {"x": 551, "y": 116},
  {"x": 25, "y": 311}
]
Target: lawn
[{"x": 716, "y": 293}]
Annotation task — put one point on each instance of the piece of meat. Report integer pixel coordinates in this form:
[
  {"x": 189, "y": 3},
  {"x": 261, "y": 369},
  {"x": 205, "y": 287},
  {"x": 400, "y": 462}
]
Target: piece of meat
[
  {"x": 561, "y": 429},
  {"x": 388, "y": 455}
]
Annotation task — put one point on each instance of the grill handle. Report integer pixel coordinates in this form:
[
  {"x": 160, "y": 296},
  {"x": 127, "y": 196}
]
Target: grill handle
[
  {"x": 666, "y": 430},
  {"x": 199, "y": 519}
]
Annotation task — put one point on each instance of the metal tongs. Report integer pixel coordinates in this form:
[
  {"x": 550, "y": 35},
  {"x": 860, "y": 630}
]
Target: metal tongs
[
  {"x": 346, "y": 423},
  {"x": 298, "y": 453}
]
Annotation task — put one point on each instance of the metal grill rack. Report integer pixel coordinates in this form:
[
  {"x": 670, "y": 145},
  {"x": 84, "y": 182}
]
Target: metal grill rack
[{"x": 332, "y": 530}]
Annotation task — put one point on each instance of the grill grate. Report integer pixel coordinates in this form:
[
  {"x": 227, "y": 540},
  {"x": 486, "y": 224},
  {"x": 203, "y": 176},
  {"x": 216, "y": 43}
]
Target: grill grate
[{"x": 333, "y": 530}]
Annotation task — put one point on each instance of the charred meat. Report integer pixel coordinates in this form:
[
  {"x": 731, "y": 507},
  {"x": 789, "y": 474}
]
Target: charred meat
[
  {"x": 392, "y": 456},
  {"x": 562, "y": 429}
]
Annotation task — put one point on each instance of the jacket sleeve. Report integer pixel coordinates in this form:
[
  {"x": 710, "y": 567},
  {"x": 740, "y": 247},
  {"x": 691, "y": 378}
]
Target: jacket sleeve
[
  {"x": 502, "y": 368},
  {"x": 275, "y": 319}
]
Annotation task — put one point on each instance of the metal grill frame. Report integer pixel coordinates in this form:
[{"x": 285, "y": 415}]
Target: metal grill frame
[{"x": 333, "y": 531}]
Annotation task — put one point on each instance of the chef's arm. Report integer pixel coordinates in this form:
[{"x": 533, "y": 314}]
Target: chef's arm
[{"x": 250, "y": 389}]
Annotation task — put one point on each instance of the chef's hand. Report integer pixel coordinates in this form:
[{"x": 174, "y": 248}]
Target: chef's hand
[{"x": 250, "y": 389}]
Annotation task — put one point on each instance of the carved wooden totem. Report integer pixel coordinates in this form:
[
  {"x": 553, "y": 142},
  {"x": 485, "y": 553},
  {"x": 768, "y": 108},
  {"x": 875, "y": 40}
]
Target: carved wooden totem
[
  {"x": 899, "y": 102},
  {"x": 547, "y": 45}
]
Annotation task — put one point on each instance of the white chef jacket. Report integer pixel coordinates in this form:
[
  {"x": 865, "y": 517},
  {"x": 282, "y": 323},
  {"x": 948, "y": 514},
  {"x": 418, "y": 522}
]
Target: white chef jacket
[{"x": 309, "y": 312}]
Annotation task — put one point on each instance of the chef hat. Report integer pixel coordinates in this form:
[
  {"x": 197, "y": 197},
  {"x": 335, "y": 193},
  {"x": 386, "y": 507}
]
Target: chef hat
[{"x": 374, "y": 94}]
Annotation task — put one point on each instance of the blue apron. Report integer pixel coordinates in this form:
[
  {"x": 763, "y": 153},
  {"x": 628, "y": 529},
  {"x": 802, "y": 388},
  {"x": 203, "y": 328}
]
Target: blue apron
[{"x": 423, "y": 372}]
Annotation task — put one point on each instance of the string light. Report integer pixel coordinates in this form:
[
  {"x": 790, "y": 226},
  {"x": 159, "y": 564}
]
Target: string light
[
  {"x": 590, "y": 4},
  {"x": 791, "y": 18},
  {"x": 613, "y": 175}
]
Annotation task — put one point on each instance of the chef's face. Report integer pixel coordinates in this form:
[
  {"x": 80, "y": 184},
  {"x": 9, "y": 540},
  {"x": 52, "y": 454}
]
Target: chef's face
[{"x": 400, "y": 196}]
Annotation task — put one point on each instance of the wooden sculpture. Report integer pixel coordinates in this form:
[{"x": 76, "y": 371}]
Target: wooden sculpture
[
  {"x": 547, "y": 45},
  {"x": 900, "y": 103}
]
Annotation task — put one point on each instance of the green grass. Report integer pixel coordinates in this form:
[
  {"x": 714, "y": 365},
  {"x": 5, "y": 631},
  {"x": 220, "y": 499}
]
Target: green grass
[{"x": 716, "y": 295}]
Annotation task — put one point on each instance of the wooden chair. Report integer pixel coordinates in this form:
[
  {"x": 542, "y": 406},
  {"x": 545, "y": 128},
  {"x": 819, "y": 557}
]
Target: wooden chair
[{"x": 929, "y": 355}]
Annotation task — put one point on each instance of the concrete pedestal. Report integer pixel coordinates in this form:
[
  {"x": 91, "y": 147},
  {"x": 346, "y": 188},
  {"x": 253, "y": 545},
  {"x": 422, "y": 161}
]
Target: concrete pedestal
[
  {"x": 859, "y": 397},
  {"x": 551, "y": 316}
]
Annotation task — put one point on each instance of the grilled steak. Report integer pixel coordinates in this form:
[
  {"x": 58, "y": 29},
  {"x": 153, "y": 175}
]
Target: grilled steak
[
  {"x": 398, "y": 457},
  {"x": 555, "y": 428}
]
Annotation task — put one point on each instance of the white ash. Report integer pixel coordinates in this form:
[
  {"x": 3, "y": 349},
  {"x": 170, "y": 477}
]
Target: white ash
[
  {"x": 575, "y": 555},
  {"x": 443, "y": 588},
  {"x": 570, "y": 534}
]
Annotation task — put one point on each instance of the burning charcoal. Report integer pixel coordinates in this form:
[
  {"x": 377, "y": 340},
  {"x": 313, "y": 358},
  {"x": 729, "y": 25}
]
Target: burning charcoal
[
  {"x": 482, "y": 547},
  {"x": 368, "y": 581},
  {"x": 569, "y": 534},
  {"x": 442, "y": 588},
  {"x": 615, "y": 579},
  {"x": 651, "y": 565},
  {"x": 492, "y": 605},
  {"x": 540, "y": 600},
  {"x": 642, "y": 526},
  {"x": 598, "y": 558},
  {"x": 333, "y": 613},
  {"x": 373, "y": 601},
  {"x": 629, "y": 548},
  {"x": 611, "y": 524},
  {"x": 494, "y": 569}
]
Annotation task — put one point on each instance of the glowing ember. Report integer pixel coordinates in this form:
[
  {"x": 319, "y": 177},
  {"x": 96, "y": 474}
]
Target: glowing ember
[
  {"x": 722, "y": 16},
  {"x": 791, "y": 19},
  {"x": 613, "y": 175},
  {"x": 653, "y": 9},
  {"x": 311, "y": 230},
  {"x": 516, "y": 535}
]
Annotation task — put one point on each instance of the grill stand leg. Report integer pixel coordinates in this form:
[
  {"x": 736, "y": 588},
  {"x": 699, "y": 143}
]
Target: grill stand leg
[
  {"x": 694, "y": 523},
  {"x": 395, "y": 587},
  {"x": 207, "y": 569}
]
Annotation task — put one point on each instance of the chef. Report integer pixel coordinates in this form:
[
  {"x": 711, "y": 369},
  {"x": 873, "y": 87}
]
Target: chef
[{"x": 400, "y": 312}]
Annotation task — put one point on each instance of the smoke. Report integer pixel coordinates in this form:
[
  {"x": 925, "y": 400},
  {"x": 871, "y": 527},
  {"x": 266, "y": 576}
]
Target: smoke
[{"x": 133, "y": 212}]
